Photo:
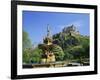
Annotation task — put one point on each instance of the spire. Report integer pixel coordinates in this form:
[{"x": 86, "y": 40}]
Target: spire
[
  {"x": 48, "y": 31},
  {"x": 48, "y": 38}
]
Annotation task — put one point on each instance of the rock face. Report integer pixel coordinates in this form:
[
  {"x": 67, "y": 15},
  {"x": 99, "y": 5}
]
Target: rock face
[{"x": 71, "y": 30}]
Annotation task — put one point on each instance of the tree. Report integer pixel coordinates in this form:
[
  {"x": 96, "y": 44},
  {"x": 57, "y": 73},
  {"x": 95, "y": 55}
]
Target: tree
[
  {"x": 36, "y": 55},
  {"x": 74, "y": 46},
  {"x": 85, "y": 44},
  {"x": 68, "y": 55},
  {"x": 26, "y": 47},
  {"x": 26, "y": 56},
  {"x": 76, "y": 51},
  {"x": 26, "y": 40},
  {"x": 59, "y": 54}
]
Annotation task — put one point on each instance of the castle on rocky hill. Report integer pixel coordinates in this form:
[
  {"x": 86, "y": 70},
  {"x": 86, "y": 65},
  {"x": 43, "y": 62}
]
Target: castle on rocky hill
[{"x": 72, "y": 30}]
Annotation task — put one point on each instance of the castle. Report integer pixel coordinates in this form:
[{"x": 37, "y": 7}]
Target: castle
[{"x": 71, "y": 30}]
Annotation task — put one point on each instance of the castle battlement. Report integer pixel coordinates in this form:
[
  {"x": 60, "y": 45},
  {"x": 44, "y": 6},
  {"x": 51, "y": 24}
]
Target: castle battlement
[{"x": 72, "y": 30}]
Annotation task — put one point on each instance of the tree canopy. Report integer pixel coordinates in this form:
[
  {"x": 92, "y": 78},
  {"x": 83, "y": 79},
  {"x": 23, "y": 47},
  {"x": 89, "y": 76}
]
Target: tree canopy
[
  {"x": 26, "y": 40},
  {"x": 65, "y": 46}
]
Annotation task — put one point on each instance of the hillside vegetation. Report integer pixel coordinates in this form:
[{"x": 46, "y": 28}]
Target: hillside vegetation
[{"x": 74, "y": 46}]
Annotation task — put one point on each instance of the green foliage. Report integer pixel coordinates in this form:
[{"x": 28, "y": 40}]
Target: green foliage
[
  {"x": 74, "y": 46},
  {"x": 26, "y": 40},
  {"x": 65, "y": 47},
  {"x": 59, "y": 54},
  {"x": 68, "y": 55},
  {"x": 36, "y": 55},
  {"x": 57, "y": 50},
  {"x": 26, "y": 56},
  {"x": 85, "y": 44},
  {"x": 76, "y": 51},
  {"x": 32, "y": 55},
  {"x": 26, "y": 47},
  {"x": 29, "y": 54}
]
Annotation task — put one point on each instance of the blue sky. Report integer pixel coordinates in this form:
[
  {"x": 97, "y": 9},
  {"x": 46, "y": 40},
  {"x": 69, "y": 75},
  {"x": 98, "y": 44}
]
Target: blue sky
[{"x": 35, "y": 23}]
